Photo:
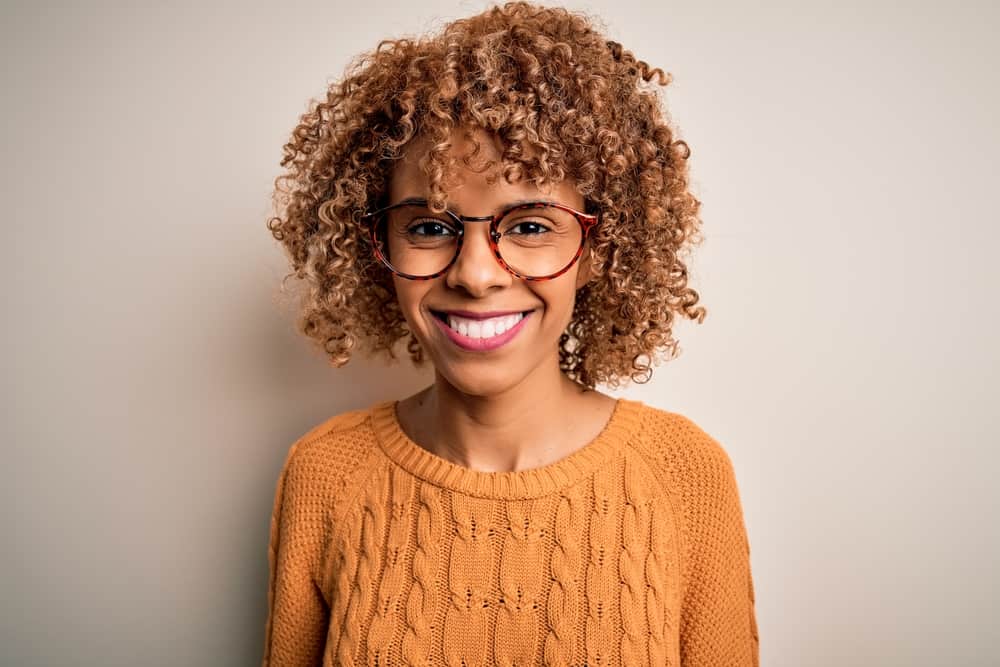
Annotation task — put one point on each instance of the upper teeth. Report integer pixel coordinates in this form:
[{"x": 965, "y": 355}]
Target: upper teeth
[{"x": 494, "y": 326}]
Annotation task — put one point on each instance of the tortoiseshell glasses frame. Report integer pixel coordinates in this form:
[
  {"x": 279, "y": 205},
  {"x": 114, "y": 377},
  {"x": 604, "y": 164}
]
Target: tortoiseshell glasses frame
[{"x": 587, "y": 222}]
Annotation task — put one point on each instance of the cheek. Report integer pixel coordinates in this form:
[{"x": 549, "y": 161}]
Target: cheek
[
  {"x": 558, "y": 298},
  {"x": 409, "y": 295}
]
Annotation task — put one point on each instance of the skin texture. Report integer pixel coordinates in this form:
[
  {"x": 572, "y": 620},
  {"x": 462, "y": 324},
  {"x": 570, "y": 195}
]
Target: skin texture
[{"x": 506, "y": 409}]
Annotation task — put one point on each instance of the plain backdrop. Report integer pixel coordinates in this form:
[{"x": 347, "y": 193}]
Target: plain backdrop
[{"x": 846, "y": 157}]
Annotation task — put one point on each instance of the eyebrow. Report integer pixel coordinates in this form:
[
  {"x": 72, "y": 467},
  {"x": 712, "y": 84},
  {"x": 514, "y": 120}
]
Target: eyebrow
[{"x": 511, "y": 204}]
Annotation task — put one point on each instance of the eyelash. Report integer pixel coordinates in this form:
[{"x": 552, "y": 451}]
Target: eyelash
[
  {"x": 428, "y": 223},
  {"x": 418, "y": 225}
]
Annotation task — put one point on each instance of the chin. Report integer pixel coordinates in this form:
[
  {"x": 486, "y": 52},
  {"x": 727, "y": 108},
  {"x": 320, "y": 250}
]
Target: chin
[{"x": 482, "y": 382}]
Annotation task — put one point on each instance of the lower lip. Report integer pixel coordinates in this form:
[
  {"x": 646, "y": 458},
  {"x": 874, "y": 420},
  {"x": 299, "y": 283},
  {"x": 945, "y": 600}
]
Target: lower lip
[{"x": 482, "y": 344}]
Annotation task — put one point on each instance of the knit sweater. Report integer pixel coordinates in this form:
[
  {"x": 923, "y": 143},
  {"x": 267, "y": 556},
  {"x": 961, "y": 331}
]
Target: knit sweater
[{"x": 630, "y": 551}]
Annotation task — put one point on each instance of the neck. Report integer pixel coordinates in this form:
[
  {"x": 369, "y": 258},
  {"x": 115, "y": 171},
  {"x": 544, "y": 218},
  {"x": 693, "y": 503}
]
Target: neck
[{"x": 527, "y": 426}]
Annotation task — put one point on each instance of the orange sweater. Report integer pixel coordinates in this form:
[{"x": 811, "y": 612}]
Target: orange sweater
[{"x": 630, "y": 551}]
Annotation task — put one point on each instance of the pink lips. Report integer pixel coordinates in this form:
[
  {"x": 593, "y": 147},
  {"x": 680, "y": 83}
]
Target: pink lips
[{"x": 482, "y": 344}]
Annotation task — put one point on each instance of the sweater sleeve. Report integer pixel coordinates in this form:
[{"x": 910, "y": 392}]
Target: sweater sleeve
[
  {"x": 298, "y": 616},
  {"x": 718, "y": 619}
]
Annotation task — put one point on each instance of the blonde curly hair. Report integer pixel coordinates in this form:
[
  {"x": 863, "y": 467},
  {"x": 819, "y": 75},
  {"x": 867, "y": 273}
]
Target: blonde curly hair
[{"x": 563, "y": 102}]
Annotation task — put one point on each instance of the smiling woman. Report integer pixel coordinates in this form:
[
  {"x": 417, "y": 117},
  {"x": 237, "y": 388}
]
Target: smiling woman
[
  {"x": 508, "y": 199},
  {"x": 513, "y": 251}
]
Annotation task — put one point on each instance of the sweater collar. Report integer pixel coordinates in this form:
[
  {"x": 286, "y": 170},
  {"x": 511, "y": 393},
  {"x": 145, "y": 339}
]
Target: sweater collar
[{"x": 521, "y": 484}]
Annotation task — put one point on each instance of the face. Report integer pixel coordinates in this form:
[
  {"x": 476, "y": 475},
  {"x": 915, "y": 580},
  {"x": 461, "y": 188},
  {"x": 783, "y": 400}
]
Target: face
[{"x": 535, "y": 313}]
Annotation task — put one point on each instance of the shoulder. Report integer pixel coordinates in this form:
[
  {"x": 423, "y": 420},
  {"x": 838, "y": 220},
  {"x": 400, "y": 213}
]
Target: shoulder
[
  {"x": 691, "y": 458},
  {"x": 699, "y": 474},
  {"x": 330, "y": 451},
  {"x": 679, "y": 441}
]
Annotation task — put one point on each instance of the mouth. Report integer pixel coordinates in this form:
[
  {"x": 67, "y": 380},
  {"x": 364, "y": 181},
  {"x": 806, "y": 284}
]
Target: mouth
[
  {"x": 481, "y": 334},
  {"x": 500, "y": 323}
]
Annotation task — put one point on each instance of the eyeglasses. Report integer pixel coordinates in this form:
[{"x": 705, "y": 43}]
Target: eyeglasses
[{"x": 533, "y": 241}]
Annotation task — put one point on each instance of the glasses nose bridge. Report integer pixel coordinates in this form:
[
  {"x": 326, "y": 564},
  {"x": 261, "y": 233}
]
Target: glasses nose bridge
[
  {"x": 472, "y": 270},
  {"x": 478, "y": 218},
  {"x": 475, "y": 218}
]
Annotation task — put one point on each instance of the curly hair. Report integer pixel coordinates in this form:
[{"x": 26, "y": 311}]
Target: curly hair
[{"x": 562, "y": 102}]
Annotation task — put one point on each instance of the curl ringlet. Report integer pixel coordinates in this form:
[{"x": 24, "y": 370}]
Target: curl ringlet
[{"x": 562, "y": 102}]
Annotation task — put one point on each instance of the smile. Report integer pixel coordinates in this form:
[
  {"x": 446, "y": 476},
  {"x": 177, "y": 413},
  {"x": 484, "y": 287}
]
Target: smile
[{"x": 481, "y": 334}]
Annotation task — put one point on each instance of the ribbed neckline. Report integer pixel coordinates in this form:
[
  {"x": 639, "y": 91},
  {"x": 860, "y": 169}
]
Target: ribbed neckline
[{"x": 531, "y": 483}]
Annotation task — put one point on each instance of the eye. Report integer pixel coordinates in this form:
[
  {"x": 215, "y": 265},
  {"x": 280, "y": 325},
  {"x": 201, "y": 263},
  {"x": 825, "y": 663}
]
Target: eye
[
  {"x": 528, "y": 228},
  {"x": 429, "y": 228}
]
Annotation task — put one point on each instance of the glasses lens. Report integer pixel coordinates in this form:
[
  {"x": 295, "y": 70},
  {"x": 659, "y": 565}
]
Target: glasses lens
[
  {"x": 415, "y": 240},
  {"x": 538, "y": 240}
]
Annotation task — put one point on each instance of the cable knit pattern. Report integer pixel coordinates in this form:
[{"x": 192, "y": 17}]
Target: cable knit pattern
[
  {"x": 516, "y": 638},
  {"x": 630, "y": 551},
  {"x": 470, "y": 570},
  {"x": 369, "y": 557},
  {"x": 394, "y": 575},
  {"x": 422, "y": 602},
  {"x": 632, "y": 567},
  {"x": 564, "y": 565},
  {"x": 603, "y": 581}
]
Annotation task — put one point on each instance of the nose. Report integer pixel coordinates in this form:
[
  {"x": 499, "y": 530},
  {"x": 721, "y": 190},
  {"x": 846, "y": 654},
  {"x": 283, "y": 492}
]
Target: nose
[{"x": 476, "y": 269}]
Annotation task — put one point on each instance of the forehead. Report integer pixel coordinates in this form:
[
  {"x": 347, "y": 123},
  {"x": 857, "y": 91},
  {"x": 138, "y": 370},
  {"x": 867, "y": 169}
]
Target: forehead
[{"x": 472, "y": 186}]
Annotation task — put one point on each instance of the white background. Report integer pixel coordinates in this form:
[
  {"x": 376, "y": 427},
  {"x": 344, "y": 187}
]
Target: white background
[{"x": 846, "y": 156}]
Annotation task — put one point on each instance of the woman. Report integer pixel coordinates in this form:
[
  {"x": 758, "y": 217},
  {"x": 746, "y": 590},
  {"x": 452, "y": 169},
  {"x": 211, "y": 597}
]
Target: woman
[{"x": 507, "y": 198}]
